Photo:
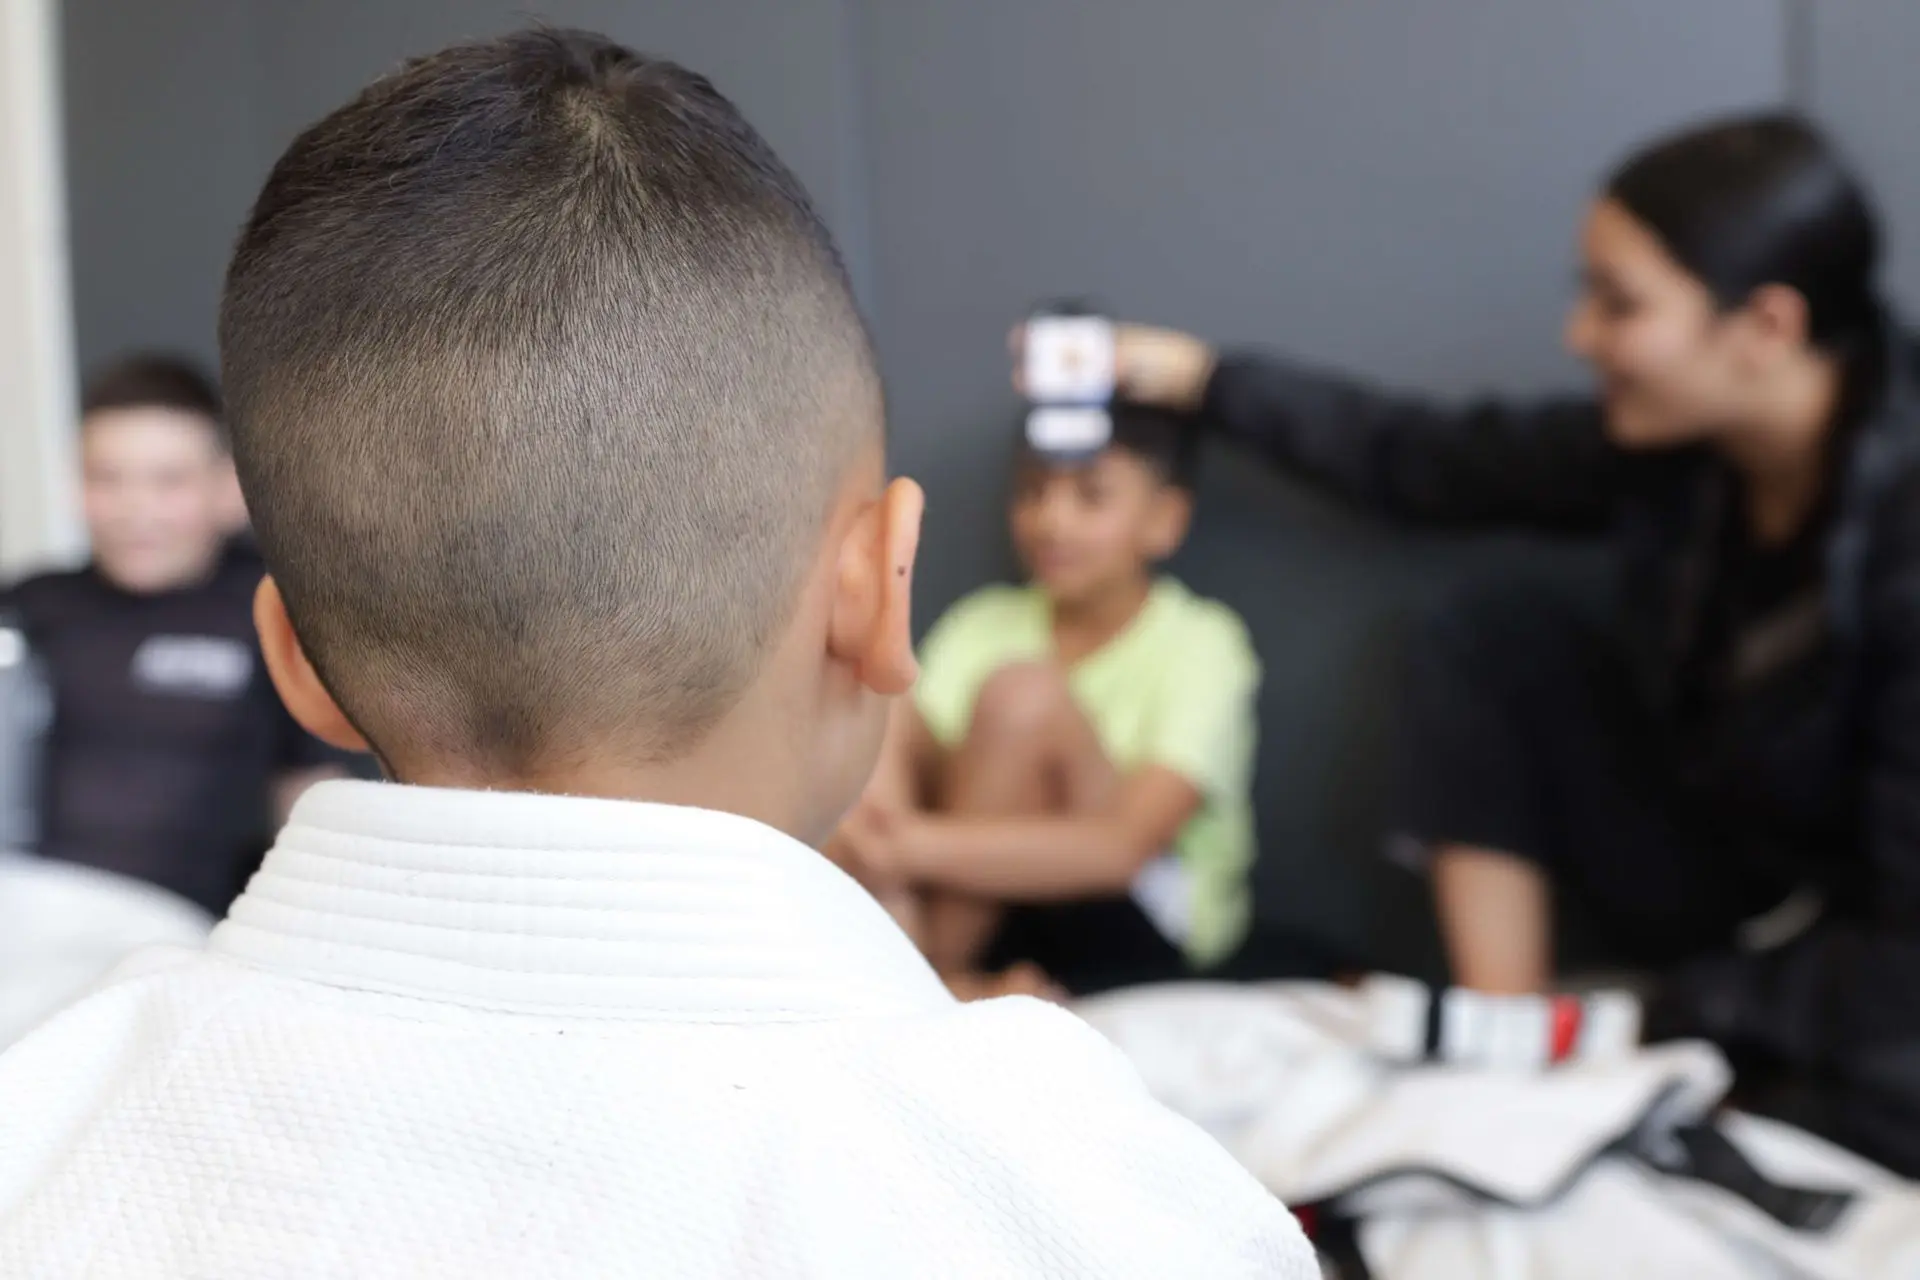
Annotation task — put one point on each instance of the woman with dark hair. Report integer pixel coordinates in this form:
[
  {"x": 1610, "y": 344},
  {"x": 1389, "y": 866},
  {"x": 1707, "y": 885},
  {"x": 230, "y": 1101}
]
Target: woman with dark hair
[{"x": 1745, "y": 722}]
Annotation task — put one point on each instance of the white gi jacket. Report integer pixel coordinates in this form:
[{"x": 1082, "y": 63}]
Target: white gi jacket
[{"x": 485, "y": 1034}]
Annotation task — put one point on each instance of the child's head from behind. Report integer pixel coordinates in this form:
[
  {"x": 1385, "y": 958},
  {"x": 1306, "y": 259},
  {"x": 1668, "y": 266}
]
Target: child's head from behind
[
  {"x": 565, "y": 440},
  {"x": 157, "y": 481},
  {"x": 1093, "y": 526}
]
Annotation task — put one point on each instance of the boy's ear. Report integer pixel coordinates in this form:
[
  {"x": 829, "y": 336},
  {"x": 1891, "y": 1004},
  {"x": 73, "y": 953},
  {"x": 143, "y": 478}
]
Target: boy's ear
[
  {"x": 871, "y": 627},
  {"x": 306, "y": 698},
  {"x": 1168, "y": 521}
]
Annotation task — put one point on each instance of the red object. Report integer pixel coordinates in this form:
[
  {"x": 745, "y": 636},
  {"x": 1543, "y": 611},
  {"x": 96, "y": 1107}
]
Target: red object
[
  {"x": 1309, "y": 1217},
  {"x": 1566, "y": 1028}
]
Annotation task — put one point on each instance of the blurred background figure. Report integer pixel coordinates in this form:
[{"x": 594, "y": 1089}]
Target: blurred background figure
[
  {"x": 1067, "y": 787},
  {"x": 1744, "y": 721},
  {"x": 167, "y": 756}
]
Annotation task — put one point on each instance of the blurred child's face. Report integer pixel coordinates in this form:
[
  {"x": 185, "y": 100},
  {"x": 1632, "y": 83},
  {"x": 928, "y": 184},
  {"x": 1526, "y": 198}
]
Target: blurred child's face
[
  {"x": 1084, "y": 530},
  {"x": 157, "y": 491}
]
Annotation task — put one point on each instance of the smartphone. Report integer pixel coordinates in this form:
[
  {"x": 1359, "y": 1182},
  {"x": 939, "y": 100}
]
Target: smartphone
[
  {"x": 1067, "y": 369},
  {"x": 1068, "y": 359}
]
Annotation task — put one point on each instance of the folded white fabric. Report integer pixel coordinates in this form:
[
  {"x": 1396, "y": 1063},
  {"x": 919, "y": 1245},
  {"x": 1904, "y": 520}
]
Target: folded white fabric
[
  {"x": 1286, "y": 1077},
  {"x": 1622, "y": 1218},
  {"x": 1874, "y": 1230},
  {"x": 1610, "y": 1224},
  {"x": 1606, "y": 1166},
  {"x": 63, "y": 926}
]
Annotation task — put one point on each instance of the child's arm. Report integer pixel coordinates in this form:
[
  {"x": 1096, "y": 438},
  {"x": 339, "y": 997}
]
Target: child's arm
[{"x": 1049, "y": 858}]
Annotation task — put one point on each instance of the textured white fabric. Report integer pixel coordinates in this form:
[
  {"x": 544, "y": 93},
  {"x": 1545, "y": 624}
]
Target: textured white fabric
[
  {"x": 63, "y": 927},
  {"x": 473, "y": 1035}
]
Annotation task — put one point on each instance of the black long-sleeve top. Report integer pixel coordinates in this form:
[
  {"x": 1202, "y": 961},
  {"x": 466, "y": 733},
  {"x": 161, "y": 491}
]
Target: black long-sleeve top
[{"x": 1789, "y": 677}]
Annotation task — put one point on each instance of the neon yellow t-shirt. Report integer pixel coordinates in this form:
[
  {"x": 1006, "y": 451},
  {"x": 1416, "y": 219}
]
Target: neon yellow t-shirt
[{"x": 1175, "y": 689}]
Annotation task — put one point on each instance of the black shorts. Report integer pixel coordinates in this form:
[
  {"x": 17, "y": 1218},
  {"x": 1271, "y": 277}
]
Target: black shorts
[
  {"x": 1524, "y": 732},
  {"x": 1088, "y": 946}
]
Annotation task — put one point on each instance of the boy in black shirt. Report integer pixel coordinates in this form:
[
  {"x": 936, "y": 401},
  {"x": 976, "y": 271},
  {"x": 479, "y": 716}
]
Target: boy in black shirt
[{"x": 169, "y": 757}]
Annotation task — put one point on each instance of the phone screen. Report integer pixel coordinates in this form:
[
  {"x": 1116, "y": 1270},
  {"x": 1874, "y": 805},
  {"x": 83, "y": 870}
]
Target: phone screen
[{"x": 1069, "y": 360}]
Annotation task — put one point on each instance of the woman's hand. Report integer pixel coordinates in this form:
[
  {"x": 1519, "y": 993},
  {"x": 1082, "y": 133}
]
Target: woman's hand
[{"x": 1161, "y": 367}]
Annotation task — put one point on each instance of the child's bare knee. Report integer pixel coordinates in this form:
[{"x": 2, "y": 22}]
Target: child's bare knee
[{"x": 1020, "y": 701}]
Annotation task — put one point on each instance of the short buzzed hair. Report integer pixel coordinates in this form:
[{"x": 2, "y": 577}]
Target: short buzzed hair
[{"x": 543, "y": 375}]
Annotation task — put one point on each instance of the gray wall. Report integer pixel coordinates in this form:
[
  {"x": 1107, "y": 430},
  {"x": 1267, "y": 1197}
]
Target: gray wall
[
  {"x": 177, "y": 108},
  {"x": 162, "y": 158},
  {"x": 1389, "y": 186},
  {"x": 1392, "y": 187},
  {"x": 1861, "y": 73}
]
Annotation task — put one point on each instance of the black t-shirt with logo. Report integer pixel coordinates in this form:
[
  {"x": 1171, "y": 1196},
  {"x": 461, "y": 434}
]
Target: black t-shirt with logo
[{"x": 166, "y": 736}]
